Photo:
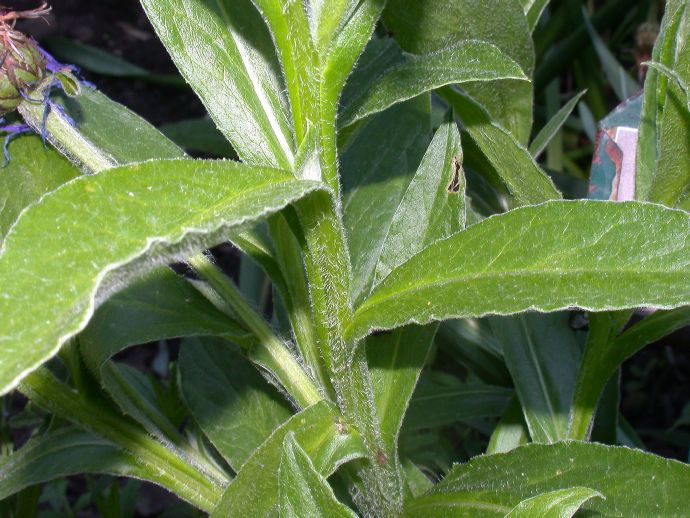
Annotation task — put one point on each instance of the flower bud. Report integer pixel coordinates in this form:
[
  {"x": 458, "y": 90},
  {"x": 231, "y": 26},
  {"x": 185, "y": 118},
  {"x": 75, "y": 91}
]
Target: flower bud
[{"x": 22, "y": 67}]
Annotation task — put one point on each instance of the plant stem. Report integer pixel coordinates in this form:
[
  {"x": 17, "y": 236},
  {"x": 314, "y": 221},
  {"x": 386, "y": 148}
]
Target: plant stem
[
  {"x": 271, "y": 352},
  {"x": 165, "y": 467},
  {"x": 63, "y": 135},
  {"x": 328, "y": 270}
]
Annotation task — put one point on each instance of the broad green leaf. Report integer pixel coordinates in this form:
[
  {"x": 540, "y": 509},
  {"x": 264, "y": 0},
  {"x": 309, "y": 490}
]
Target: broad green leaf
[
  {"x": 445, "y": 401},
  {"x": 319, "y": 430},
  {"x": 377, "y": 168},
  {"x": 656, "y": 97},
  {"x": 542, "y": 354},
  {"x": 199, "y": 135},
  {"x": 513, "y": 163},
  {"x": 159, "y": 306},
  {"x": 64, "y": 452},
  {"x": 304, "y": 492},
  {"x": 563, "y": 503},
  {"x": 423, "y": 26},
  {"x": 191, "y": 205},
  {"x": 241, "y": 83},
  {"x": 395, "y": 362},
  {"x": 619, "y": 79},
  {"x": 433, "y": 206},
  {"x": 541, "y": 141},
  {"x": 405, "y": 76},
  {"x": 548, "y": 257},
  {"x": 491, "y": 485},
  {"x": 33, "y": 170},
  {"x": 287, "y": 20},
  {"x": 233, "y": 404}
]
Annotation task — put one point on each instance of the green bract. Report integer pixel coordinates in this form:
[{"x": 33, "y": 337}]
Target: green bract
[
  {"x": 23, "y": 66},
  {"x": 401, "y": 338}
]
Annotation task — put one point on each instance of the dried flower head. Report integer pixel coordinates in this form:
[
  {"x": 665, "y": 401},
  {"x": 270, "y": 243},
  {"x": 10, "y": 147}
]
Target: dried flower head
[{"x": 22, "y": 63}]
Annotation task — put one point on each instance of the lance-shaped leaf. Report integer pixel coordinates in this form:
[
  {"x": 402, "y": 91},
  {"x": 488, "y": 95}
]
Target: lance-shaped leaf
[
  {"x": 563, "y": 503},
  {"x": 513, "y": 163},
  {"x": 657, "y": 95},
  {"x": 225, "y": 52},
  {"x": 69, "y": 451},
  {"x": 542, "y": 139},
  {"x": 233, "y": 404},
  {"x": 492, "y": 485},
  {"x": 433, "y": 206},
  {"x": 406, "y": 75},
  {"x": 548, "y": 257},
  {"x": 303, "y": 490},
  {"x": 533, "y": 10},
  {"x": 289, "y": 26},
  {"x": 395, "y": 361},
  {"x": 322, "y": 434},
  {"x": 326, "y": 19},
  {"x": 159, "y": 306},
  {"x": 377, "y": 167},
  {"x": 33, "y": 170},
  {"x": 345, "y": 48},
  {"x": 424, "y": 26},
  {"x": 119, "y": 224},
  {"x": 541, "y": 353}
]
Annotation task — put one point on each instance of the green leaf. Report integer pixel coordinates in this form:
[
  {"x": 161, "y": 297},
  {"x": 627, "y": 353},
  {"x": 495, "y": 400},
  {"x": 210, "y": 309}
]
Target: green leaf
[
  {"x": 289, "y": 26},
  {"x": 196, "y": 204},
  {"x": 111, "y": 127},
  {"x": 541, "y": 141},
  {"x": 233, "y": 404},
  {"x": 320, "y": 431},
  {"x": 510, "y": 431},
  {"x": 542, "y": 354},
  {"x": 433, "y": 206},
  {"x": 304, "y": 492},
  {"x": 619, "y": 79},
  {"x": 603, "y": 356},
  {"x": 326, "y": 19},
  {"x": 395, "y": 361},
  {"x": 159, "y": 306},
  {"x": 396, "y": 140},
  {"x": 656, "y": 97},
  {"x": 64, "y": 452},
  {"x": 533, "y": 11},
  {"x": 529, "y": 259},
  {"x": 424, "y": 26},
  {"x": 563, "y": 503},
  {"x": 491, "y": 485},
  {"x": 445, "y": 401},
  {"x": 241, "y": 83},
  {"x": 33, "y": 170},
  {"x": 344, "y": 50},
  {"x": 405, "y": 76},
  {"x": 513, "y": 163}
]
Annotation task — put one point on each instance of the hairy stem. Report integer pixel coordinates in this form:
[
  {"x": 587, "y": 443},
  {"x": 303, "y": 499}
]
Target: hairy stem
[{"x": 328, "y": 269}]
